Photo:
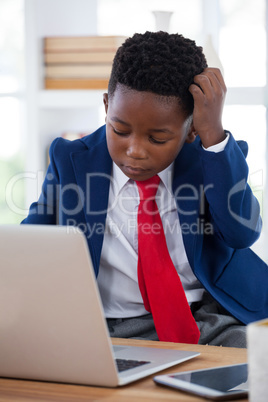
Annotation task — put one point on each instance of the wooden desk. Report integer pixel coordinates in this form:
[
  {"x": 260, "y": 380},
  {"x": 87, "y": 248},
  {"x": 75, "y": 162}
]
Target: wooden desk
[{"x": 142, "y": 391}]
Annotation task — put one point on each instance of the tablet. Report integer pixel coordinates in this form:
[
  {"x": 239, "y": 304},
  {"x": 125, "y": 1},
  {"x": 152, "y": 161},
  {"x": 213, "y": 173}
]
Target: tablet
[{"x": 219, "y": 383}]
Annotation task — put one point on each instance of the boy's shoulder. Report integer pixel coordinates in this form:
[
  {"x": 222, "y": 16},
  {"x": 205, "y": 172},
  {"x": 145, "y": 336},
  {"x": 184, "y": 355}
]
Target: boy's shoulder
[
  {"x": 63, "y": 145},
  {"x": 196, "y": 146},
  {"x": 192, "y": 154}
]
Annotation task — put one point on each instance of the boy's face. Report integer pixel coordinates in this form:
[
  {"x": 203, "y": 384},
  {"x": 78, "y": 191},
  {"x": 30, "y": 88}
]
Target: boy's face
[{"x": 144, "y": 132}]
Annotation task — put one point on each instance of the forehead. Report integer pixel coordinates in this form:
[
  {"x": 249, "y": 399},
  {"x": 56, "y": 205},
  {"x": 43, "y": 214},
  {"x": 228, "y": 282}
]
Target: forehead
[{"x": 137, "y": 104}]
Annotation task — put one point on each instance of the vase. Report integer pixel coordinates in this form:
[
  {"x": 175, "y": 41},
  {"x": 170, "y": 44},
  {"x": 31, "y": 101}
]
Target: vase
[{"x": 162, "y": 20}]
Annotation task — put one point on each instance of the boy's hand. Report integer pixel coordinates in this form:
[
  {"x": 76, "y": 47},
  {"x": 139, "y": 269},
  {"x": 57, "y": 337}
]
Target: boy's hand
[{"x": 208, "y": 92}]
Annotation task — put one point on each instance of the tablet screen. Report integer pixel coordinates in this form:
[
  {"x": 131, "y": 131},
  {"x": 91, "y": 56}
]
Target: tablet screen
[{"x": 223, "y": 379}]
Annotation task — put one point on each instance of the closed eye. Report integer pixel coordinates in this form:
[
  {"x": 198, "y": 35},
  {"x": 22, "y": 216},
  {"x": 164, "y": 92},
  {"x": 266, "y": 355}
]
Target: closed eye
[
  {"x": 155, "y": 141},
  {"x": 119, "y": 132},
  {"x": 151, "y": 138}
]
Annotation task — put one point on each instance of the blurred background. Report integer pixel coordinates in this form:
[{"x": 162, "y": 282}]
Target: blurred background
[{"x": 234, "y": 37}]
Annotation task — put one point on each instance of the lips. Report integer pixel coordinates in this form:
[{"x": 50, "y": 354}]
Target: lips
[
  {"x": 136, "y": 169},
  {"x": 133, "y": 170}
]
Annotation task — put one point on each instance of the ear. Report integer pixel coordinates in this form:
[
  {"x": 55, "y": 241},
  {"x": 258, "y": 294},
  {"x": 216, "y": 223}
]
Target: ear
[
  {"x": 105, "y": 101},
  {"x": 191, "y": 134}
]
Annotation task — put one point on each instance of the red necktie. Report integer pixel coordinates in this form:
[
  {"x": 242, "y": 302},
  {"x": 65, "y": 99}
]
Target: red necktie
[{"x": 162, "y": 292}]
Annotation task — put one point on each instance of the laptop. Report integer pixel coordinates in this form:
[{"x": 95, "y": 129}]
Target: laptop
[{"x": 52, "y": 324}]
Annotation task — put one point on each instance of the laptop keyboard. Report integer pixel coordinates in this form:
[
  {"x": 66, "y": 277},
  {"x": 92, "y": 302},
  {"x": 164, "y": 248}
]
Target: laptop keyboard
[{"x": 124, "y": 364}]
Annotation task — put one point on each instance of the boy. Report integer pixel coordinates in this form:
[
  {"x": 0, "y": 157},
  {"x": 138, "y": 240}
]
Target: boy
[{"x": 163, "y": 119}]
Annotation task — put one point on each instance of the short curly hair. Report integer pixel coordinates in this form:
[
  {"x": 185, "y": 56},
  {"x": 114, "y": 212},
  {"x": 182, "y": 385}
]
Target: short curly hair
[{"x": 158, "y": 62}]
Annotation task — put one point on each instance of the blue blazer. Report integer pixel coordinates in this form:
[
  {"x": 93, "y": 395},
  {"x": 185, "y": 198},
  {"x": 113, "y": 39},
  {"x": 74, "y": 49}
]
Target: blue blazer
[{"x": 218, "y": 213}]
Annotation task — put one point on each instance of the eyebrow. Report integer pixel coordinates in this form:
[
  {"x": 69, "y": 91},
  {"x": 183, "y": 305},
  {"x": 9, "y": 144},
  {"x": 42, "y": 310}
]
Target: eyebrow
[
  {"x": 117, "y": 120},
  {"x": 161, "y": 130},
  {"x": 153, "y": 130}
]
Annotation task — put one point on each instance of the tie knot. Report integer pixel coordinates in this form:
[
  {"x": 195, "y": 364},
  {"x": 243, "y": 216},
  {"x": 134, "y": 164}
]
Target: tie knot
[{"x": 148, "y": 188}]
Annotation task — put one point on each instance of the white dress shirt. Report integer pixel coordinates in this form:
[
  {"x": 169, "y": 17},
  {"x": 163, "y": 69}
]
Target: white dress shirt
[{"x": 117, "y": 279}]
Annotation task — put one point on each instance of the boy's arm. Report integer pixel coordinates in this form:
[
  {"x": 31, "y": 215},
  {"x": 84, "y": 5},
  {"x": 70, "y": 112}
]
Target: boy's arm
[
  {"x": 44, "y": 211},
  {"x": 234, "y": 209},
  {"x": 235, "y": 212}
]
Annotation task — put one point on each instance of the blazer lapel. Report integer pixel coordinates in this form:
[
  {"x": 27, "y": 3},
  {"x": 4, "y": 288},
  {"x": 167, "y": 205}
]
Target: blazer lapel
[
  {"x": 92, "y": 168},
  {"x": 188, "y": 194}
]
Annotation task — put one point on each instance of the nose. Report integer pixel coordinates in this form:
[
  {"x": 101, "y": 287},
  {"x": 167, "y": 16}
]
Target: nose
[{"x": 136, "y": 149}]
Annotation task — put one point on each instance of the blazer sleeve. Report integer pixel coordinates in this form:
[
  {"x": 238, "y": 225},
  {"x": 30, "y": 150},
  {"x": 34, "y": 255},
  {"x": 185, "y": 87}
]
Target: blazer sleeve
[{"x": 233, "y": 208}]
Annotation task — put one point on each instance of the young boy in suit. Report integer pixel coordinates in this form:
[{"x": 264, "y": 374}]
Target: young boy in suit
[{"x": 163, "y": 119}]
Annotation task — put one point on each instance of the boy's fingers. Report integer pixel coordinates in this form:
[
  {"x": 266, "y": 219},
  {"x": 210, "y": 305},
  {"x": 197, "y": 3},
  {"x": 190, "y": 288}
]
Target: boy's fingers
[
  {"x": 203, "y": 83},
  {"x": 215, "y": 77},
  {"x": 196, "y": 90},
  {"x": 210, "y": 82}
]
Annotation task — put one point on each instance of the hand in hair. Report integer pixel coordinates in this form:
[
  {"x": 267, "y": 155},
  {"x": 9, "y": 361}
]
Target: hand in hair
[{"x": 208, "y": 91}]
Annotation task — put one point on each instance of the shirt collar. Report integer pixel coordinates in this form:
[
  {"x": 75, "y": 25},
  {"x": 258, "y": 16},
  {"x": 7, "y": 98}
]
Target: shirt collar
[
  {"x": 166, "y": 177},
  {"x": 120, "y": 179}
]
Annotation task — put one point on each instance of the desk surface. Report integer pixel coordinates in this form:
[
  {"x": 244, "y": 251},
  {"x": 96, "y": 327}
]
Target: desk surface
[{"x": 142, "y": 391}]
